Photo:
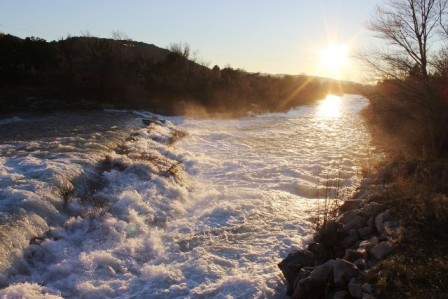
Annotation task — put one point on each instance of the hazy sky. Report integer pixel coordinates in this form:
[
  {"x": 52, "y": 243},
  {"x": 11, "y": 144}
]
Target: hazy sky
[{"x": 271, "y": 36}]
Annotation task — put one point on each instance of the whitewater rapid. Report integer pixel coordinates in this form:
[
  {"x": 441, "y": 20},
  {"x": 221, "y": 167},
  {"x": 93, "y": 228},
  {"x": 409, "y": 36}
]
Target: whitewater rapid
[{"x": 175, "y": 208}]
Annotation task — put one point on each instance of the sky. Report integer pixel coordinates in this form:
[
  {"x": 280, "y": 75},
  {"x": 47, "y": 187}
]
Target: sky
[{"x": 267, "y": 36}]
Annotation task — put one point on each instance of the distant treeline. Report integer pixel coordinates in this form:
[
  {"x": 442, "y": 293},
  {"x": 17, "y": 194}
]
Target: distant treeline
[{"x": 89, "y": 72}]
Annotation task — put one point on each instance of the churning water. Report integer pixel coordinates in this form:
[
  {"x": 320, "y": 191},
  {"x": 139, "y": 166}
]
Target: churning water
[{"x": 99, "y": 206}]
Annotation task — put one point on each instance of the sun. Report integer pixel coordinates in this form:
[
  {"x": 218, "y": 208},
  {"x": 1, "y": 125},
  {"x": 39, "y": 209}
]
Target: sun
[{"x": 334, "y": 58}]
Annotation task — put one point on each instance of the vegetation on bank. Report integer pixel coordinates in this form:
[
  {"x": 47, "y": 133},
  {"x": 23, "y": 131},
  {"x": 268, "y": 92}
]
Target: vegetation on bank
[
  {"x": 408, "y": 115},
  {"x": 90, "y": 72}
]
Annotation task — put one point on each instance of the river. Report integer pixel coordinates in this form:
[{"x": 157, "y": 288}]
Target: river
[{"x": 98, "y": 205}]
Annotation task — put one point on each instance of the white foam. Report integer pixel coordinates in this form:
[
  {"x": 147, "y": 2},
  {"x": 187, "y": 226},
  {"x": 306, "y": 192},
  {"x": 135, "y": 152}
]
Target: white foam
[{"x": 217, "y": 228}]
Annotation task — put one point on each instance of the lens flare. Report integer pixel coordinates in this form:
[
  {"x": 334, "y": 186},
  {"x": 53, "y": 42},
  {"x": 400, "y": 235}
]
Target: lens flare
[
  {"x": 334, "y": 58},
  {"x": 330, "y": 107}
]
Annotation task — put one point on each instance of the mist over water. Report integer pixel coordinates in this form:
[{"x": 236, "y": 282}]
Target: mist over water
[{"x": 217, "y": 228}]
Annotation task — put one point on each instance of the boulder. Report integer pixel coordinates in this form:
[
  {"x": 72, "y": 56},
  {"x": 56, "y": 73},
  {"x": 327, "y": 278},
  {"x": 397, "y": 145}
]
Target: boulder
[
  {"x": 353, "y": 255},
  {"x": 356, "y": 223},
  {"x": 367, "y": 287},
  {"x": 382, "y": 250},
  {"x": 361, "y": 263},
  {"x": 355, "y": 288},
  {"x": 365, "y": 231},
  {"x": 368, "y": 244},
  {"x": 291, "y": 265},
  {"x": 347, "y": 216},
  {"x": 321, "y": 252},
  {"x": 331, "y": 233},
  {"x": 303, "y": 273},
  {"x": 348, "y": 241},
  {"x": 341, "y": 295},
  {"x": 380, "y": 219},
  {"x": 371, "y": 209},
  {"x": 391, "y": 228},
  {"x": 351, "y": 204},
  {"x": 322, "y": 272},
  {"x": 371, "y": 222},
  {"x": 343, "y": 271},
  {"x": 309, "y": 288}
]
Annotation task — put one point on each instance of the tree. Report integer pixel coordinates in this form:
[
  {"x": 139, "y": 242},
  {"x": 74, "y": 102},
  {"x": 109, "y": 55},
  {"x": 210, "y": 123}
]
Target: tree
[{"x": 412, "y": 30}]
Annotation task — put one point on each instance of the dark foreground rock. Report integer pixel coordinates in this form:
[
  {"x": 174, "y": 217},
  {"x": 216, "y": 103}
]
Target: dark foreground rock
[{"x": 341, "y": 262}]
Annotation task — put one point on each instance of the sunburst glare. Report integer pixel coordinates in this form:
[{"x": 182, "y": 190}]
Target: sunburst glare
[
  {"x": 330, "y": 107},
  {"x": 334, "y": 58}
]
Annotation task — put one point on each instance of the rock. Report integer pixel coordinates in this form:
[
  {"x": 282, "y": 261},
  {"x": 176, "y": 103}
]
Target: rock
[
  {"x": 371, "y": 222},
  {"x": 343, "y": 271},
  {"x": 367, "y": 296},
  {"x": 322, "y": 272},
  {"x": 309, "y": 288},
  {"x": 371, "y": 275},
  {"x": 348, "y": 241},
  {"x": 361, "y": 263},
  {"x": 368, "y": 244},
  {"x": 355, "y": 288},
  {"x": 356, "y": 223},
  {"x": 321, "y": 252},
  {"x": 371, "y": 209},
  {"x": 367, "y": 287},
  {"x": 347, "y": 216},
  {"x": 381, "y": 218},
  {"x": 353, "y": 255},
  {"x": 365, "y": 231},
  {"x": 341, "y": 295},
  {"x": 381, "y": 250},
  {"x": 303, "y": 273},
  {"x": 391, "y": 228},
  {"x": 332, "y": 232},
  {"x": 291, "y": 265},
  {"x": 350, "y": 204}
]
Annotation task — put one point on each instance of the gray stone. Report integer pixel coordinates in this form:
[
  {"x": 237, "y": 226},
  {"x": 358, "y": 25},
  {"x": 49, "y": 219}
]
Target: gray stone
[
  {"x": 367, "y": 296},
  {"x": 309, "y": 288},
  {"x": 367, "y": 287},
  {"x": 368, "y": 244},
  {"x": 381, "y": 218},
  {"x": 343, "y": 271},
  {"x": 365, "y": 231},
  {"x": 322, "y": 272},
  {"x": 382, "y": 250},
  {"x": 347, "y": 216},
  {"x": 355, "y": 288},
  {"x": 349, "y": 240},
  {"x": 321, "y": 252},
  {"x": 371, "y": 209},
  {"x": 350, "y": 204},
  {"x": 291, "y": 265},
  {"x": 353, "y": 255},
  {"x": 361, "y": 263},
  {"x": 341, "y": 295},
  {"x": 356, "y": 223},
  {"x": 332, "y": 232},
  {"x": 391, "y": 228},
  {"x": 371, "y": 222}
]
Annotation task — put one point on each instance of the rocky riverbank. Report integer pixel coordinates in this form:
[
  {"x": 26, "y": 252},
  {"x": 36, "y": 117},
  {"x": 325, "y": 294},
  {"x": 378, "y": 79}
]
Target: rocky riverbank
[{"x": 342, "y": 261}]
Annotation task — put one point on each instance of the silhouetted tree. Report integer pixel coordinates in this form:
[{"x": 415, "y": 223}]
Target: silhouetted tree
[{"x": 411, "y": 29}]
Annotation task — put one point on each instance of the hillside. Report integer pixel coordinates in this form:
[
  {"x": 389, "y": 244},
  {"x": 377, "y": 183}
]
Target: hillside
[{"x": 89, "y": 72}]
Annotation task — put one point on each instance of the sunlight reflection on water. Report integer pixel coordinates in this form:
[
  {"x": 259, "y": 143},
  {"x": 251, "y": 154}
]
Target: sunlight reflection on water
[{"x": 330, "y": 107}]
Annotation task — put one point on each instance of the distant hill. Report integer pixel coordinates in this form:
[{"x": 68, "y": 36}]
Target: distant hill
[{"x": 89, "y": 72}]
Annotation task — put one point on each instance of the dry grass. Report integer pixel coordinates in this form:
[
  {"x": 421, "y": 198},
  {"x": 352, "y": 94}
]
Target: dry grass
[
  {"x": 416, "y": 188},
  {"x": 65, "y": 191},
  {"x": 176, "y": 135},
  {"x": 332, "y": 196}
]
